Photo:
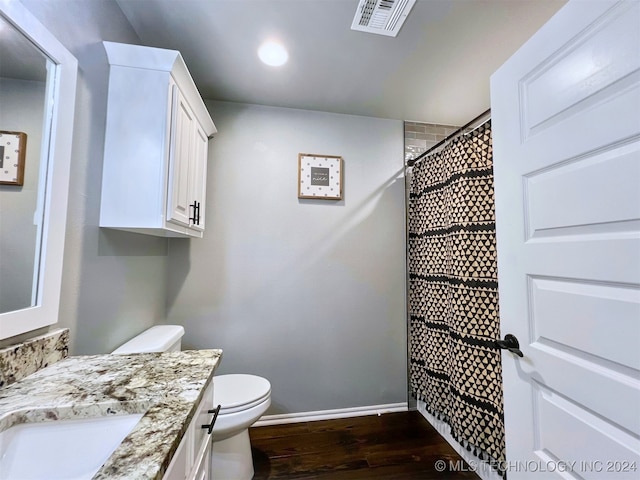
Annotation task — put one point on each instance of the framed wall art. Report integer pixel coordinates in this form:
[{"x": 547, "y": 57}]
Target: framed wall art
[
  {"x": 319, "y": 176},
  {"x": 13, "y": 146}
]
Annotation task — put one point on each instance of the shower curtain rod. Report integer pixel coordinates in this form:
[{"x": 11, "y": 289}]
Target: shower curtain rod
[{"x": 412, "y": 162}]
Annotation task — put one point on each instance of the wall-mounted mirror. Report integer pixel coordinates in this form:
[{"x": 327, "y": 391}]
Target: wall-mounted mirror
[
  {"x": 37, "y": 98},
  {"x": 25, "y": 126}
]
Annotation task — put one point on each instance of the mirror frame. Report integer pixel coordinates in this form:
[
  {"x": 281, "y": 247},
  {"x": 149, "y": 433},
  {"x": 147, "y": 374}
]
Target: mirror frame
[{"x": 56, "y": 188}]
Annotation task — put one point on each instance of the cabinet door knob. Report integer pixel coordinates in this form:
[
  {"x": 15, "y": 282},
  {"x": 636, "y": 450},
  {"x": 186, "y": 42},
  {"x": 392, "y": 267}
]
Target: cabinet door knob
[{"x": 209, "y": 426}]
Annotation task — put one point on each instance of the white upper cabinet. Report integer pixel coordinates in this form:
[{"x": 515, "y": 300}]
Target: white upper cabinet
[{"x": 156, "y": 139}]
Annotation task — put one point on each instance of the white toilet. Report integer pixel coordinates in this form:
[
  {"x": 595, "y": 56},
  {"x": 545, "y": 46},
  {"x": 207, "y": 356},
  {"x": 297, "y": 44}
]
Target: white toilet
[
  {"x": 243, "y": 400},
  {"x": 161, "y": 338}
]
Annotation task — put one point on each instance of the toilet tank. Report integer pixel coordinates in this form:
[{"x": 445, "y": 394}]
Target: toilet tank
[{"x": 160, "y": 338}]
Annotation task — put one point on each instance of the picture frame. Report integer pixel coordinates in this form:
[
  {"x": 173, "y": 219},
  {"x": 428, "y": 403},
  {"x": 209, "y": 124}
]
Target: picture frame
[
  {"x": 13, "y": 146},
  {"x": 320, "y": 177}
]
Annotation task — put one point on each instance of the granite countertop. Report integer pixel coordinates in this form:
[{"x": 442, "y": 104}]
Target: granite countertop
[{"x": 166, "y": 387}]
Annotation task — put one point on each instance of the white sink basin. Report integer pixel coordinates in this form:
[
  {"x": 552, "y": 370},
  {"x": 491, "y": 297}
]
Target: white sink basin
[{"x": 62, "y": 449}]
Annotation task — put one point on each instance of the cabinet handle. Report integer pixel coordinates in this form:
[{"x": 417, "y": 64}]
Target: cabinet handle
[
  {"x": 192, "y": 218},
  {"x": 215, "y": 412},
  {"x": 195, "y": 219}
]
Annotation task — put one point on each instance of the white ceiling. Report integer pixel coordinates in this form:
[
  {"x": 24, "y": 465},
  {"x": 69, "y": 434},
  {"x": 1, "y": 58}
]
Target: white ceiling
[{"x": 436, "y": 70}]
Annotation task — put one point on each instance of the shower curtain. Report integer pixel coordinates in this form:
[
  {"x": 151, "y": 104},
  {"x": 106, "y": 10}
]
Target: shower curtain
[{"x": 453, "y": 293}]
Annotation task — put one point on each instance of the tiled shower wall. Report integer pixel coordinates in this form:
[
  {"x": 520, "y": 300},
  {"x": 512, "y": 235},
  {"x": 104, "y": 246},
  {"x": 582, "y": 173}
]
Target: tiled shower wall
[{"x": 418, "y": 137}]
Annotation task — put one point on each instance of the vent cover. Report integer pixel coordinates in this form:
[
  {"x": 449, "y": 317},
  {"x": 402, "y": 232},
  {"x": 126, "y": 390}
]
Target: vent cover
[{"x": 384, "y": 17}]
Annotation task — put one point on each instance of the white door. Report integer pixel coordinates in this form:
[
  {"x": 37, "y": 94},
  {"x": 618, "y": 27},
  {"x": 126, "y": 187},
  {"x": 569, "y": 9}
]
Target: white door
[
  {"x": 566, "y": 133},
  {"x": 198, "y": 176},
  {"x": 180, "y": 208}
]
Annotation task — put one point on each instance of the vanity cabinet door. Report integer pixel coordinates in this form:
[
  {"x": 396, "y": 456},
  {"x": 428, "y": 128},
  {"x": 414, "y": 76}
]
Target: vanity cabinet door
[
  {"x": 193, "y": 457},
  {"x": 200, "y": 435},
  {"x": 178, "y": 469},
  {"x": 202, "y": 468}
]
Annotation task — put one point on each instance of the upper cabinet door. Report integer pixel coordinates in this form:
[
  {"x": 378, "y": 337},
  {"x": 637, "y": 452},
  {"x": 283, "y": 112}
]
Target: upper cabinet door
[
  {"x": 181, "y": 205},
  {"x": 198, "y": 175},
  {"x": 187, "y": 166}
]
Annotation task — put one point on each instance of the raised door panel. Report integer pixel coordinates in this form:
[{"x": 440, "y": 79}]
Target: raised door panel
[
  {"x": 179, "y": 208},
  {"x": 198, "y": 176},
  {"x": 202, "y": 470}
]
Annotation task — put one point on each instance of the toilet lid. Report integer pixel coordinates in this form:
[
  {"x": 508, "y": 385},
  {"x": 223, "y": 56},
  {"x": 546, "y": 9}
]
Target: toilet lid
[{"x": 235, "y": 391}]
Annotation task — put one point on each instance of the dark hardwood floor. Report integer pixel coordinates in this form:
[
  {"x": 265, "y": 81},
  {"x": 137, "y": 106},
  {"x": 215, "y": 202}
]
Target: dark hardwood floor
[{"x": 394, "y": 446}]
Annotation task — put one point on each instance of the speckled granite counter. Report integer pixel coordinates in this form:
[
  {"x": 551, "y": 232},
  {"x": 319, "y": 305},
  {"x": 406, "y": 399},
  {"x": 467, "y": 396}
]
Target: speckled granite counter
[
  {"x": 27, "y": 357},
  {"x": 167, "y": 386}
]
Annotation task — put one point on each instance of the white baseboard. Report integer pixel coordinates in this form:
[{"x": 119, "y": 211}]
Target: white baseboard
[
  {"x": 330, "y": 414},
  {"x": 481, "y": 468}
]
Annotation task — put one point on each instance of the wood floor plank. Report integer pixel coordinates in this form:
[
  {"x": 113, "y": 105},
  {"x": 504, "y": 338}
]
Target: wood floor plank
[
  {"x": 393, "y": 446},
  {"x": 316, "y": 443},
  {"x": 285, "y": 430}
]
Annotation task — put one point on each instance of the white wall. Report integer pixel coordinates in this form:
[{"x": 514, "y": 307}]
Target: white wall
[
  {"x": 22, "y": 111},
  {"x": 307, "y": 293},
  {"x": 113, "y": 282}
]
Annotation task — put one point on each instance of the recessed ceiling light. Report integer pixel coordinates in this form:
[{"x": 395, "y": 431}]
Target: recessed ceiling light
[{"x": 273, "y": 54}]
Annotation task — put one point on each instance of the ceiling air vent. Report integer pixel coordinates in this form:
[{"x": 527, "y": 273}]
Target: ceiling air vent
[{"x": 384, "y": 17}]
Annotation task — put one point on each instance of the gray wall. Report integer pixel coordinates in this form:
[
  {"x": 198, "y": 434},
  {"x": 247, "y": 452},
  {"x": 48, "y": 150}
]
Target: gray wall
[
  {"x": 310, "y": 294},
  {"x": 113, "y": 282},
  {"x": 22, "y": 111},
  {"x": 307, "y": 293}
]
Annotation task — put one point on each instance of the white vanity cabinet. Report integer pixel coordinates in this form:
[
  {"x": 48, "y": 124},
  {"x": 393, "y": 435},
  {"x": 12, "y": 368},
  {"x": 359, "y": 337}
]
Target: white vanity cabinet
[
  {"x": 156, "y": 143},
  {"x": 192, "y": 460}
]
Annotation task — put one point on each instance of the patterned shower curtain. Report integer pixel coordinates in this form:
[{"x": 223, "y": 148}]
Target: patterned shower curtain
[{"x": 453, "y": 293}]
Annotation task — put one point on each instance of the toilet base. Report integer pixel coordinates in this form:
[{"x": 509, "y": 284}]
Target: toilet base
[{"x": 231, "y": 459}]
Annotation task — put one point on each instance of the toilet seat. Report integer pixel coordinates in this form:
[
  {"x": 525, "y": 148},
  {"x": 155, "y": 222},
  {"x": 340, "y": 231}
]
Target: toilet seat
[{"x": 239, "y": 392}]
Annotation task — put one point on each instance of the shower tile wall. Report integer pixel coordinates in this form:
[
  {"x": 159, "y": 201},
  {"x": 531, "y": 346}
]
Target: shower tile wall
[{"x": 418, "y": 137}]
